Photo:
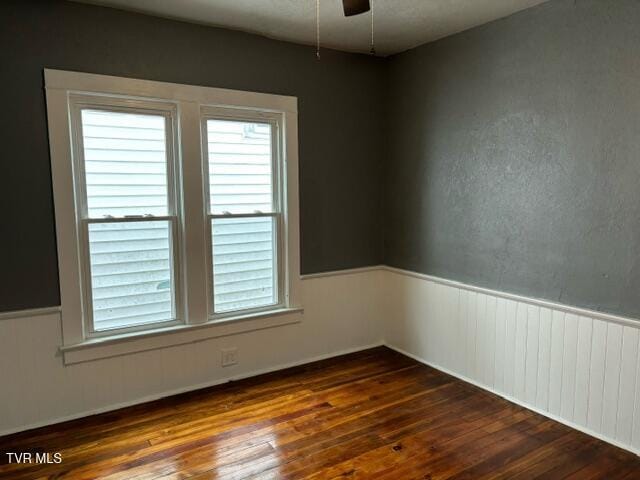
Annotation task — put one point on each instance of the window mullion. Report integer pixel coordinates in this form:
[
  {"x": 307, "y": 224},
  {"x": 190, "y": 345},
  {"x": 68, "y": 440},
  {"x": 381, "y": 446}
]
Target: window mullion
[{"x": 193, "y": 224}]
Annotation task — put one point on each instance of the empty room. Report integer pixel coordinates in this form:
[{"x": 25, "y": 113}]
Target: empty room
[{"x": 320, "y": 239}]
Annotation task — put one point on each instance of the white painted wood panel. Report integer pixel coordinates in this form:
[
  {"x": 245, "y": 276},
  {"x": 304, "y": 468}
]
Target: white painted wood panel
[
  {"x": 596, "y": 375},
  {"x": 626, "y": 396},
  {"x": 578, "y": 367},
  {"x": 635, "y": 433},
  {"x": 501, "y": 331},
  {"x": 531, "y": 362},
  {"x": 611, "y": 379},
  {"x": 544, "y": 360},
  {"x": 481, "y": 342},
  {"x": 555, "y": 365},
  {"x": 569, "y": 361},
  {"x": 464, "y": 360},
  {"x": 510, "y": 335},
  {"x": 583, "y": 359},
  {"x": 520, "y": 351},
  {"x": 491, "y": 340},
  {"x": 472, "y": 324}
]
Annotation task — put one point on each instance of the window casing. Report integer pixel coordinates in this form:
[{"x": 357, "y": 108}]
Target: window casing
[{"x": 132, "y": 166}]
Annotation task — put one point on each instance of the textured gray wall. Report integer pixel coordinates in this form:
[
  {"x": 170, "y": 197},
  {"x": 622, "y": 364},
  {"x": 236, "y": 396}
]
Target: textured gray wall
[
  {"x": 513, "y": 149},
  {"x": 515, "y": 155},
  {"x": 339, "y": 116}
]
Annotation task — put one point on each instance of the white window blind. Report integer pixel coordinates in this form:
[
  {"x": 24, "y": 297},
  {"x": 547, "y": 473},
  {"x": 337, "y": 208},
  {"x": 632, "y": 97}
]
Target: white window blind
[
  {"x": 128, "y": 227},
  {"x": 244, "y": 214}
]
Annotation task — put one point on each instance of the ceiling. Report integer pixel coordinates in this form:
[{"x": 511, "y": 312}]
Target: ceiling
[{"x": 398, "y": 24}]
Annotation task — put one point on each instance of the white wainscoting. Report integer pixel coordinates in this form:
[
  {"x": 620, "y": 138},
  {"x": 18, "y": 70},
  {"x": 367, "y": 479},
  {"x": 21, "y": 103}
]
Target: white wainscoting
[
  {"x": 579, "y": 367},
  {"x": 341, "y": 315},
  {"x": 576, "y": 366}
]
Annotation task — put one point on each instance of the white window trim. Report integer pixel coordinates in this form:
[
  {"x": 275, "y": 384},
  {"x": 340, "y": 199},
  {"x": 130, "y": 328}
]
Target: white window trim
[{"x": 190, "y": 102}]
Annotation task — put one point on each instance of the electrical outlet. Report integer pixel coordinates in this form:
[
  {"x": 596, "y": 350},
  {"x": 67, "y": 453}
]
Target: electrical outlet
[{"x": 229, "y": 356}]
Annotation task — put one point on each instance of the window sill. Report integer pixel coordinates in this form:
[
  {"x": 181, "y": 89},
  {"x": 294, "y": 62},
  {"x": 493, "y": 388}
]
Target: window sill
[{"x": 123, "y": 344}]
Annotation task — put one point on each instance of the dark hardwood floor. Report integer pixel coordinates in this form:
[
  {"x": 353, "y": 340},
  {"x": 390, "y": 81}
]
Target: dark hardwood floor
[{"x": 373, "y": 414}]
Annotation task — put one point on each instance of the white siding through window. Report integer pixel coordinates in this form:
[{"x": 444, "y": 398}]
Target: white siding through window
[
  {"x": 241, "y": 182},
  {"x": 239, "y": 166},
  {"x": 125, "y": 163},
  {"x": 243, "y": 263},
  {"x": 126, "y": 174},
  {"x": 130, "y": 273}
]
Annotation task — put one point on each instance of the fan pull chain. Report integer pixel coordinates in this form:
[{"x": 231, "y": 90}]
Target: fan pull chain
[
  {"x": 318, "y": 29},
  {"x": 373, "y": 46}
]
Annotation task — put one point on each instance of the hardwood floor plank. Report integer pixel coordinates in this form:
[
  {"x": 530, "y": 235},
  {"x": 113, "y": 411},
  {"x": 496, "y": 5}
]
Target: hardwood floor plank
[{"x": 369, "y": 415}]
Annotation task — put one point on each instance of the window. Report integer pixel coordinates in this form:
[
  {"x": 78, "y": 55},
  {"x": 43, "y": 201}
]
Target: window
[
  {"x": 126, "y": 209},
  {"x": 244, "y": 212},
  {"x": 176, "y": 206}
]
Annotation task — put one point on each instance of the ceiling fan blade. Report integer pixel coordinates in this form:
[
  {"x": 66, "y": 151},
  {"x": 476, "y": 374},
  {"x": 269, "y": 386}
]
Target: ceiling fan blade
[{"x": 355, "y": 7}]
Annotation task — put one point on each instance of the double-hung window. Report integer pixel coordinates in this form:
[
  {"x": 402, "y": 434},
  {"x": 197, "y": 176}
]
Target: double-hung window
[
  {"x": 176, "y": 209},
  {"x": 126, "y": 210},
  {"x": 244, "y": 206}
]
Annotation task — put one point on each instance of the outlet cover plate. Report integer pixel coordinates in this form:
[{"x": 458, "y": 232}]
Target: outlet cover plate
[{"x": 229, "y": 356}]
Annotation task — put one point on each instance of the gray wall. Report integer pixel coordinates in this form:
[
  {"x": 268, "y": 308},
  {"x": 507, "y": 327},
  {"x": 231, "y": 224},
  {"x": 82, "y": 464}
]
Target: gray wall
[
  {"x": 339, "y": 121},
  {"x": 515, "y": 155},
  {"x": 512, "y": 150}
]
